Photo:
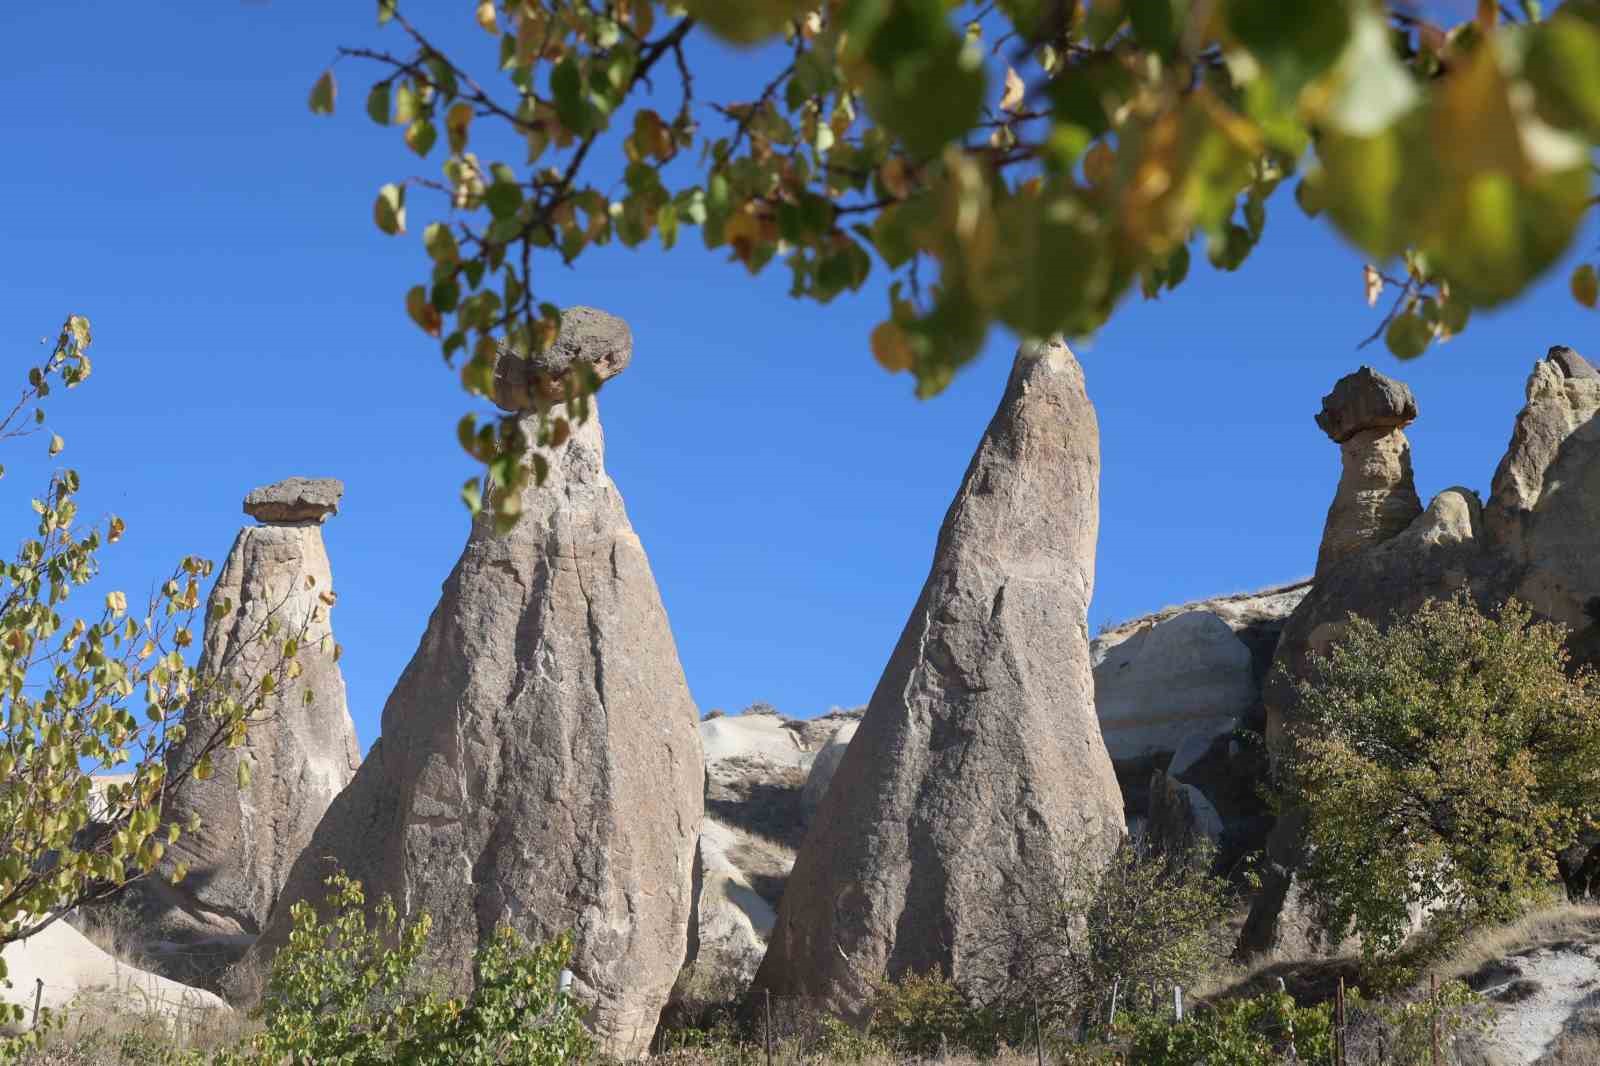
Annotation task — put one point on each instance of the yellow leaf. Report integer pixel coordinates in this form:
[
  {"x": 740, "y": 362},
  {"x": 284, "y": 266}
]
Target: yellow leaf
[
  {"x": 456, "y": 122},
  {"x": 486, "y": 16},
  {"x": 1586, "y": 285},
  {"x": 892, "y": 348},
  {"x": 1374, "y": 284}
]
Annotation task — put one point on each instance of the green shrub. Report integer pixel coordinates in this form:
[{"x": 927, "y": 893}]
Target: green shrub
[
  {"x": 346, "y": 992},
  {"x": 1252, "y": 1032},
  {"x": 1442, "y": 764}
]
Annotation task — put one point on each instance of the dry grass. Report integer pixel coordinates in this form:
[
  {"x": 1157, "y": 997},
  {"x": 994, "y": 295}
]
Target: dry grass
[{"x": 1562, "y": 923}]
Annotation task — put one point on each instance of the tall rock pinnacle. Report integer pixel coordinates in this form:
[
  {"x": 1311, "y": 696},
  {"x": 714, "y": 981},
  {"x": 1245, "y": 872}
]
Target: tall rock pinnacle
[
  {"x": 301, "y": 752},
  {"x": 978, "y": 773},
  {"x": 539, "y": 763},
  {"x": 1365, "y": 415}
]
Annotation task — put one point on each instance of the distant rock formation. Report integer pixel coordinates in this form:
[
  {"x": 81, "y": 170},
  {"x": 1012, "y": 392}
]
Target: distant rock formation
[
  {"x": 760, "y": 766},
  {"x": 1172, "y": 688},
  {"x": 300, "y": 747},
  {"x": 539, "y": 762},
  {"x": 824, "y": 766},
  {"x": 1535, "y": 539},
  {"x": 978, "y": 772},
  {"x": 1365, "y": 415},
  {"x": 77, "y": 973}
]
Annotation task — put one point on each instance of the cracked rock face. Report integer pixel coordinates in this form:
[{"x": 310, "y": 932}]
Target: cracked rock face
[
  {"x": 539, "y": 763},
  {"x": 1376, "y": 498},
  {"x": 300, "y": 754},
  {"x": 978, "y": 772}
]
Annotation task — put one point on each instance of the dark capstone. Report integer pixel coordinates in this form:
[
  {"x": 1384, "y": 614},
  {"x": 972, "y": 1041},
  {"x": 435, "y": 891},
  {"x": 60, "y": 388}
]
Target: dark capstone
[{"x": 1365, "y": 400}]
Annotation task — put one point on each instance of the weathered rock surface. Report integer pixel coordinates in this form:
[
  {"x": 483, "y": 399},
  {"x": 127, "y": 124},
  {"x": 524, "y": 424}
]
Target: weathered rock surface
[
  {"x": 1180, "y": 817},
  {"x": 1185, "y": 675},
  {"x": 599, "y": 340},
  {"x": 300, "y": 747},
  {"x": 539, "y": 762},
  {"x": 1376, "y": 498},
  {"x": 78, "y": 974},
  {"x": 978, "y": 772},
  {"x": 824, "y": 766},
  {"x": 295, "y": 499},
  {"x": 1544, "y": 508}
]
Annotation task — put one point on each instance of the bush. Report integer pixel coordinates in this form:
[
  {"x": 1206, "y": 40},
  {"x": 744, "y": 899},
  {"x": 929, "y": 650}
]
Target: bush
[
  {"x": 343, "y": 992},
  {"x": 1142, "y": 922},
  {"x": 1252, "y": 1032},
  {"x": 1442, "y": 763}
]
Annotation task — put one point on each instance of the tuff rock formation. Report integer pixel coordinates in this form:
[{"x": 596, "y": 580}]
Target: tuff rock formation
[
  {"x": 1171, "y": 689},
  {"x": 760, "y": 766},
  {"x": 300, "y": 747},
  {"x": 978, "y": 772},
  {"x": 1365, "y": 415},
  {"x": 66, "y": 969},
  {"x": 824, "y": 765},
  {"x": 1534, "y": 539},
  {"x": 539, "y": 762},
  {"x": 1179, "y": 816}
]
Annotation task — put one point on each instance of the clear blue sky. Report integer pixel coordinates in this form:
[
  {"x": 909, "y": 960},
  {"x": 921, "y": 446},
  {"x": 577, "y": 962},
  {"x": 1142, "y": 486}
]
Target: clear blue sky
[{"x": 163, "y": 177}]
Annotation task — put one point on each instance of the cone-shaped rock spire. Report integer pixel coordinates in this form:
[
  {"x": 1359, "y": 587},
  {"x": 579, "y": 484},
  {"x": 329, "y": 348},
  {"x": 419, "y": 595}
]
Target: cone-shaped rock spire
[
  {"x": 978, "y": 772},
  {"x": 539, "y": 762}
]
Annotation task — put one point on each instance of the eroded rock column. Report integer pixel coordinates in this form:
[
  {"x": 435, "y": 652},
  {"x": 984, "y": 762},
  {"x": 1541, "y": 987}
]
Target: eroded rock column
[
  {"x": 539, "y": 763},
  {"x": 1365, "y": 415},
  {"x": 978, "y": 774}
]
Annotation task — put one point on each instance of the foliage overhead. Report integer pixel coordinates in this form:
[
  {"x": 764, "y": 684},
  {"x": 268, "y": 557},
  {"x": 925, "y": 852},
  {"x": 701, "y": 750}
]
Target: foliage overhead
[
  {"x": 107, "y": 691},
  {"x": 1028, "y": 163},
  {"x": 1442, "y": 764}
]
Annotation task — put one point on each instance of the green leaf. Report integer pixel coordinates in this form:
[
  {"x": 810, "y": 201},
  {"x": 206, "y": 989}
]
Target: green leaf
[
  {"x": 440, "y": 242},
  {"x": 1408, "y": 336},
  {"x": 406, "y": 105},
  {"x": 389, "y": 209},
  {"x": 566, "y": 86},
  {"x": 322, "y": 94},
  {"x": 420, "y": 136},
  {"x": 925, "y": 89},
  {"x": 1563, "y": 65},
  {"x": 503, "y": 199},
  {"x": 1157, "y": 24},
  {"x": 1373, "y": 89},
  {"x": 378, "y": 103},
  {"x": 1295, "y": 43},
  {"x": 746, "y": 21},
  {"x": 1054, "y": 273},
  {"x": 1586, "y": 285}
]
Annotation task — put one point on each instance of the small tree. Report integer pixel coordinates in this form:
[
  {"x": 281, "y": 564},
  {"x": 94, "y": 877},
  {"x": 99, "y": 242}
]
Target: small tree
[
  {"x": 1442, "y": 763},
  {"x": 70, "y": 687},
  {"x": 1144, "y": 921}
]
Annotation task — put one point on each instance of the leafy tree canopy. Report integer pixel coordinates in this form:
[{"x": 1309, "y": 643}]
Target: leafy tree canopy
[
  {"x": 1442, "y": 764},
  {"x": 1028, "y": 163}
]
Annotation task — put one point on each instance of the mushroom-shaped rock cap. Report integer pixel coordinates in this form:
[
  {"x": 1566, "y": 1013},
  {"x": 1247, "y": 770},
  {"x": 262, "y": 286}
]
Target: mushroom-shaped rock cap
[
  {"x": 295, "y": 499},
  {"x": 1571, "y": 364},
  {"x": 1365, "y": 400},
  {"x": 587, "y": 335}
]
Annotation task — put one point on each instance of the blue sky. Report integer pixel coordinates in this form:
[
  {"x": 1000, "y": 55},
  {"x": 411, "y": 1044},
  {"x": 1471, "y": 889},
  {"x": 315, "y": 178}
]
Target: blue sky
[{"x": 164, "y": 178}]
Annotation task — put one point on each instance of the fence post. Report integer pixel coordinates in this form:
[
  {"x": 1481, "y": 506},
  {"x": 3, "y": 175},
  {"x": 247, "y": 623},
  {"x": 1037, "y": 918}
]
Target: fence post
[
  {"x": 768, "y": 991},
  {"x": 1038, "y": 1032},
  {"x": 1116, "y": 986},
  {"x": 1432, "y": 1002},
  {"x": 1339, "y": 1051},
  {"x": 1177, "y": 1003},
  {"x": 38, "y": 995}
]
